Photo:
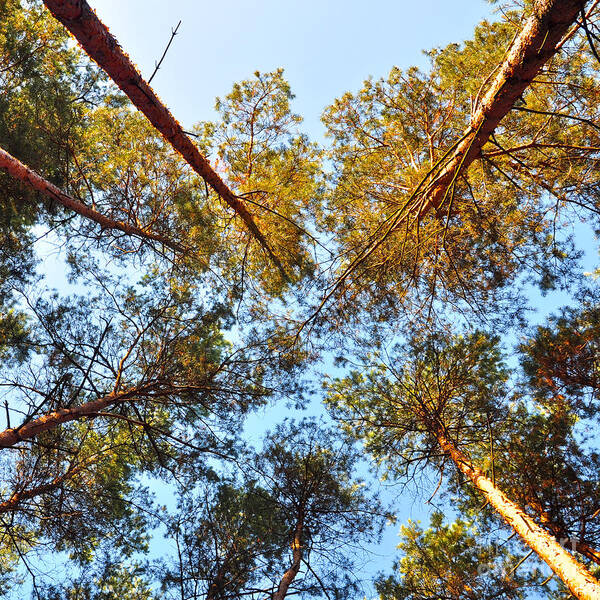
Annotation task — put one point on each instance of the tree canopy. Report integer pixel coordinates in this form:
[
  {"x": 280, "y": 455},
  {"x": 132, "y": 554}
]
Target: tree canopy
[{"x": 379, "y": 285}]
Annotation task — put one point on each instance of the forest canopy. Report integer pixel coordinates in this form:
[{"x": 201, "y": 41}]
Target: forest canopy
[{"x": 262, "y": 347}]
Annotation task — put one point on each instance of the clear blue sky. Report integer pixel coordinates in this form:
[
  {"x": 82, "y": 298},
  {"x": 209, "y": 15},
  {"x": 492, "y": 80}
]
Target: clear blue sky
[{"x": 327, "y": 47}]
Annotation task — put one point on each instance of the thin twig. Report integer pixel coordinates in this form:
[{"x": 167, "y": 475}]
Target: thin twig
[
  {"x": 157, "y": 65},
  {"x": 590, "y": 36}
]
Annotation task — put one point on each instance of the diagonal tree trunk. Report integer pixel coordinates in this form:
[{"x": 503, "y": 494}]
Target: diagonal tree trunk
[
  {"x": 20, "y": 496},
  {"x": 575, "y": 576},
  {"x": 533, "y": 47},
  {"x": 588, "y": 551},
  {"x": 94, "y": 37},
  {"x": 12, "y": 436},
  {"x": 560, "y": 533},
  {"x": 30, "y": 178}
]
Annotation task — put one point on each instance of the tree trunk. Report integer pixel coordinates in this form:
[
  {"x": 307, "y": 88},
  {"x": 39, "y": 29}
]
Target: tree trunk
[
  {"x": 216, "y": 586},
  {"x": 15, "y": 168},
  {"x": 291, "y": 573},
  {"x": 575, "y": 576},
  {"x": 94, "y": 37},
  {"x": 560, "y": 533},
  {"x": 27, "y": 431},
  {"x": 533, "y": 47},
  {"x": 27, "y": 494}
]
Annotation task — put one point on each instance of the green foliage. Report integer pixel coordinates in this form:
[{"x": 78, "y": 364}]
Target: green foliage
[
  {"x": 128, "y": 172},
  {"x": 277, "y": 172},
  {"x": 13, "y": 336},
  {"x": 39, "y": 116},
  {"x": 225, "y": 536},
  {"x": 112, "y": 581},
  {"x": 314, "y": 477},
  {"x": 434, "y": 382},
  {"x": 497, "y": 223},
  {"x": 41, "y": 76},
  {"x": 43, "y": 82},
  {"x": 449, "y": 561},
  {"x": 561, "y": 360},
  {"x": 299, "y": 494},
  {"x": 8, "y": 565},
  {"x": 183, "y": 346}
]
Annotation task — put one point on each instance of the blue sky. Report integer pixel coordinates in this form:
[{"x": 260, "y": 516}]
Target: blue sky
[{"x": 327, "y": 47}]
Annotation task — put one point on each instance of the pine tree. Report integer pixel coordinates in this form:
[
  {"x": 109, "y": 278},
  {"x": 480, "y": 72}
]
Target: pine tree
[{"x": 430, "y": 407}]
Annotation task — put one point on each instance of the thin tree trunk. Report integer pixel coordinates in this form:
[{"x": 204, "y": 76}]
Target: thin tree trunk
[
  {"x": 289, "y": 576},
  {"x": 216, "y": 586},
  {"x": 94, "y": 37},
  {"x": 575, "y": 576},
  {"x": 15, "y": 168},
  {"x": 533, "y": 47},
  {"x": 26, "y": 494},
  {"x": 588, "y": 551}
]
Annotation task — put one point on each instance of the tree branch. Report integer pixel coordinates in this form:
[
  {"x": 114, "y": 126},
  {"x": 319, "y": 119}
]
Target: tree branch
[
  {"x": 157, "y": 67},
  {"x": 16, "y": 169},
  {"x": 79, "y": 18},
  {"x": 531, "y": 50}
]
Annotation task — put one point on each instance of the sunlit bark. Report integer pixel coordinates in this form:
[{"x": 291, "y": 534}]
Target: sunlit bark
[
  {"x": 575, "y": 576},
  {"x": 535, "y": 45},
  {"x": 289, "y": 576},
  {"x": 78, "y": 17},
  {"x": 10, "y": 437},
  {"x": 30, "y": 178}
]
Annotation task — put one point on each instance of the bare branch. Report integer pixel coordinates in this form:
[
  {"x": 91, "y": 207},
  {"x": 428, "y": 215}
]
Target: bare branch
[{"x": 157, "y": 67}]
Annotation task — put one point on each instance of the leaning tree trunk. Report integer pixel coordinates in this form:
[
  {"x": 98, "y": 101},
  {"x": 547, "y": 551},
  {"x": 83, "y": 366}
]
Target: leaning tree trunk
[
  {"x": 16, "y": 169},
  {"x": 537, "y": 42},
  {"x": 12, "y": 436},
  {"x": 574, "y": 575},
  {"x": 560, "y": 533},
  {"x": 94, "y": 37}
]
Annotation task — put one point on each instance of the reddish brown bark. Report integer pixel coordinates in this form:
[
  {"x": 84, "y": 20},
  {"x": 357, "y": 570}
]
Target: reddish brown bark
[
  {"x": 23, "y": 173},
  {"x": 26, "y": 494},
  {"x": 588, "y": 551},
  {"x": 12, "y": 436},
  {"x": 533, "y": 47},
  {"x": 574, "y": 575},
  {"x": 94, "y": 37}
]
